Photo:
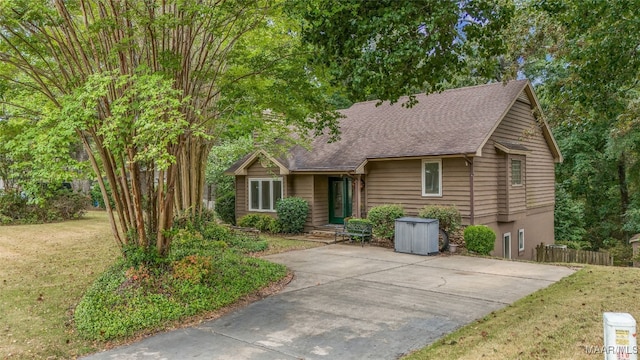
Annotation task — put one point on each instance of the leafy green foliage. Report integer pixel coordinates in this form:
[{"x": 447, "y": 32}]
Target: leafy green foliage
[
  {"x": 292, "y": 214},
  {"x": 386, "y": 49},
  {"x": 480, "y": 239},
  {"x": 383, "y": 218},
  {"x": 226, "y": 207},
  {"x": 262, "y": 222},
  {"x": 147, "y": 104},
  {"x": 587, "y": 82},
  {"x": 448, "y": 216},
  {"x": 203, "y": 272},
  {"x": 568, "y": 218},
  {"x": 60, "y": 205}
]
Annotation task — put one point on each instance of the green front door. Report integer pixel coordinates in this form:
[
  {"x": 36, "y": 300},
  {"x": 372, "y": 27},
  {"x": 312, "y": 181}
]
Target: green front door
[{"x": 340, "y": 199}]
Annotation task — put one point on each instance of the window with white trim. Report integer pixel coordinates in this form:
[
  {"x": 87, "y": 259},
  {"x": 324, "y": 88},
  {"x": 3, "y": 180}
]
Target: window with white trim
[
  {"x": 264, "y": 193},
  {"x": 432, "y": 177},
  {"x": 516, "y": 172},
  {"x": 521, "y": 240}
]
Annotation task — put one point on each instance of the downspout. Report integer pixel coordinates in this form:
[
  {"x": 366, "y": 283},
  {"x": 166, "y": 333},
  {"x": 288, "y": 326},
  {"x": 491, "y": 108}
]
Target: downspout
[
  {"x": 358, "y": 192},
  {"x": 469, "y": 162}
]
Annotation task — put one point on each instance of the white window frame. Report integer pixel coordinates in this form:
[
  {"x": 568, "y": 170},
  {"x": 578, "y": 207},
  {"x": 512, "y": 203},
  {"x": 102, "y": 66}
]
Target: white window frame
[
  {"x": 260, "y": 189},
  {"x": 521, "y": 172},
  {"x": 422, "y": 169},
  {"x": 520, "y": 239}
]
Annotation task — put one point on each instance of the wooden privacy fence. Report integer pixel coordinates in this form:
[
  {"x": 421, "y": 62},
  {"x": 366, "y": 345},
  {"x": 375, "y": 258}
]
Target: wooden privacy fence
[{"x": 554, "y": 253}]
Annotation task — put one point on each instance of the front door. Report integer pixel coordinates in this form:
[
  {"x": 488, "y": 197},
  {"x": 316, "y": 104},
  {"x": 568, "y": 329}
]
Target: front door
[{"x": 340, "y": 199}]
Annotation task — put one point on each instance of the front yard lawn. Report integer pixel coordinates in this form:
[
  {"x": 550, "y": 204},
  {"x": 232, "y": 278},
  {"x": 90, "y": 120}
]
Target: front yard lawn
[
  {"x": 46, "y": 269},
  {"x": 563, "y": 321}
]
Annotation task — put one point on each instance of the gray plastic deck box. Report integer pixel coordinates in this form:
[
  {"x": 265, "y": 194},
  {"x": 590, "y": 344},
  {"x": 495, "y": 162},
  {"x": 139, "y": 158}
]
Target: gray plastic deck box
[{"x": 416, "y": 236}]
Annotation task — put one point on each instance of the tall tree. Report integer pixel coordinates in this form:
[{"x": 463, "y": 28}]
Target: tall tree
[
  {"x": 389, "y": 48},
  {"x": 584, "y": 59},
  {"x": 147, "y": 86}
]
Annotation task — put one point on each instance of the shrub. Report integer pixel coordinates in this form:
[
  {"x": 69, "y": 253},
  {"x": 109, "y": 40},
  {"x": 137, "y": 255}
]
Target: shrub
[
  {"x": 383, "y": 219},
  {"x": 480, "y": 239},
  {"x": 448, "y": 216},
  {"x": 249, "y": 220},
  {"x": 67, "y": 204},
  {"x": 262, "y": 222},
  {"x": 226, "y": 207},
  {"x": 292, "y": 214},
  {"x": 14, "y": 206},
  {"x": 265, "y": 223},
  {"x": 192, "y": 268},
  {"x": 214, "y": 231},
  {"x": 622, "y": 253},
  {"x": 62, "y": 204}
]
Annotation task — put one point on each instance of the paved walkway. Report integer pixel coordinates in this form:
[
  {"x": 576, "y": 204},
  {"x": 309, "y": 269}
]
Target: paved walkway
[{"x": 349, "y": 302}]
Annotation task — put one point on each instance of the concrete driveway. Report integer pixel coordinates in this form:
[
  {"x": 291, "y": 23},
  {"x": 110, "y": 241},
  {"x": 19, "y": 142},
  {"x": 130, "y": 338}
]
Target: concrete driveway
[{"x": 349, "y": 302}]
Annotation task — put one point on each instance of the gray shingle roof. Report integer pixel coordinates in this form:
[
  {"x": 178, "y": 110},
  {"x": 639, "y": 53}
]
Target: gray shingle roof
[{"x": 453, "y": 122}]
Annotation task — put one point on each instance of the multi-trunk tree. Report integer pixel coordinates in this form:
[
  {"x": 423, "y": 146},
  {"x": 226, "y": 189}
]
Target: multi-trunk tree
[{"x": 149, "y": 86}]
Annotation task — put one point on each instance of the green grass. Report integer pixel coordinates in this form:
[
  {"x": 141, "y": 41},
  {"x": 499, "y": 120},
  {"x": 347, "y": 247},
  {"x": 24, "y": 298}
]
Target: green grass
[
  {"x": 558, "y": 322},
  {"x": 47, "y": 268},
  {"x": 278, "y": 245}
]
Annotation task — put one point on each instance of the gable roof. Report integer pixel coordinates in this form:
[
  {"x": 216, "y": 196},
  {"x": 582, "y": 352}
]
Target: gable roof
[{"x": 453, "y": 122}]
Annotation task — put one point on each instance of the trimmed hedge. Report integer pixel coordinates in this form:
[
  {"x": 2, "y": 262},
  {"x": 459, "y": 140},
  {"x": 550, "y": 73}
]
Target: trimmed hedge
[
  {"x": 383, "y": 219},
  {"x": 480, "y": 239},
  {"x": 448, "y": 216},
  {"x": 262, "y": 222},
  {"x": 292, "y": 214}
]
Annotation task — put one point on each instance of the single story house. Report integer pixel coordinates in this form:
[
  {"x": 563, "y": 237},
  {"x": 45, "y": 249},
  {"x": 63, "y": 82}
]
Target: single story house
[{"x": 485, "y": 149}]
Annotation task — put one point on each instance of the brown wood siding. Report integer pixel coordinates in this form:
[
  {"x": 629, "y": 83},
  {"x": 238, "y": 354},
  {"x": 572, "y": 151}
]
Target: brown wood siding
[
  {"x": 321, "y": 200},
  {"x": 257, "y": 170},
  {"x": 520, "y": 125},
  {"x": 485, "y": 181},
  {"x": 242, "y": 205},
  {"x": 491, "y": 169},
  {"x": 302, "y": 187},
  {"x": 400, "y": 182}
]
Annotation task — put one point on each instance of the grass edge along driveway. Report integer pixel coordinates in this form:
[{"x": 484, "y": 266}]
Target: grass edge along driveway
[
  {"x": 45, "y": 270},
  {"x": 562, "y": 321}
]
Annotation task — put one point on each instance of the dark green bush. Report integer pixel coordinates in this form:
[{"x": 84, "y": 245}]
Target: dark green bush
[
  {"x": 67, "y": 204},
  {"x": 292, "y": 214},
  {"x": 226, "y": 207},
  {"x": 622, "y": 254},
  {"x": 480, "y": 239},
  {"x": 14, "y": 206},
  {"x": 383, "y": 219},
  {"x": 448, "y": 216},
  {"x": 62, "y": 204}
]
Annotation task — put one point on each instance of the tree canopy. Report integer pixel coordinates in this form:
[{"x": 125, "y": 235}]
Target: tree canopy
[{"x": 147, "y": 87}]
